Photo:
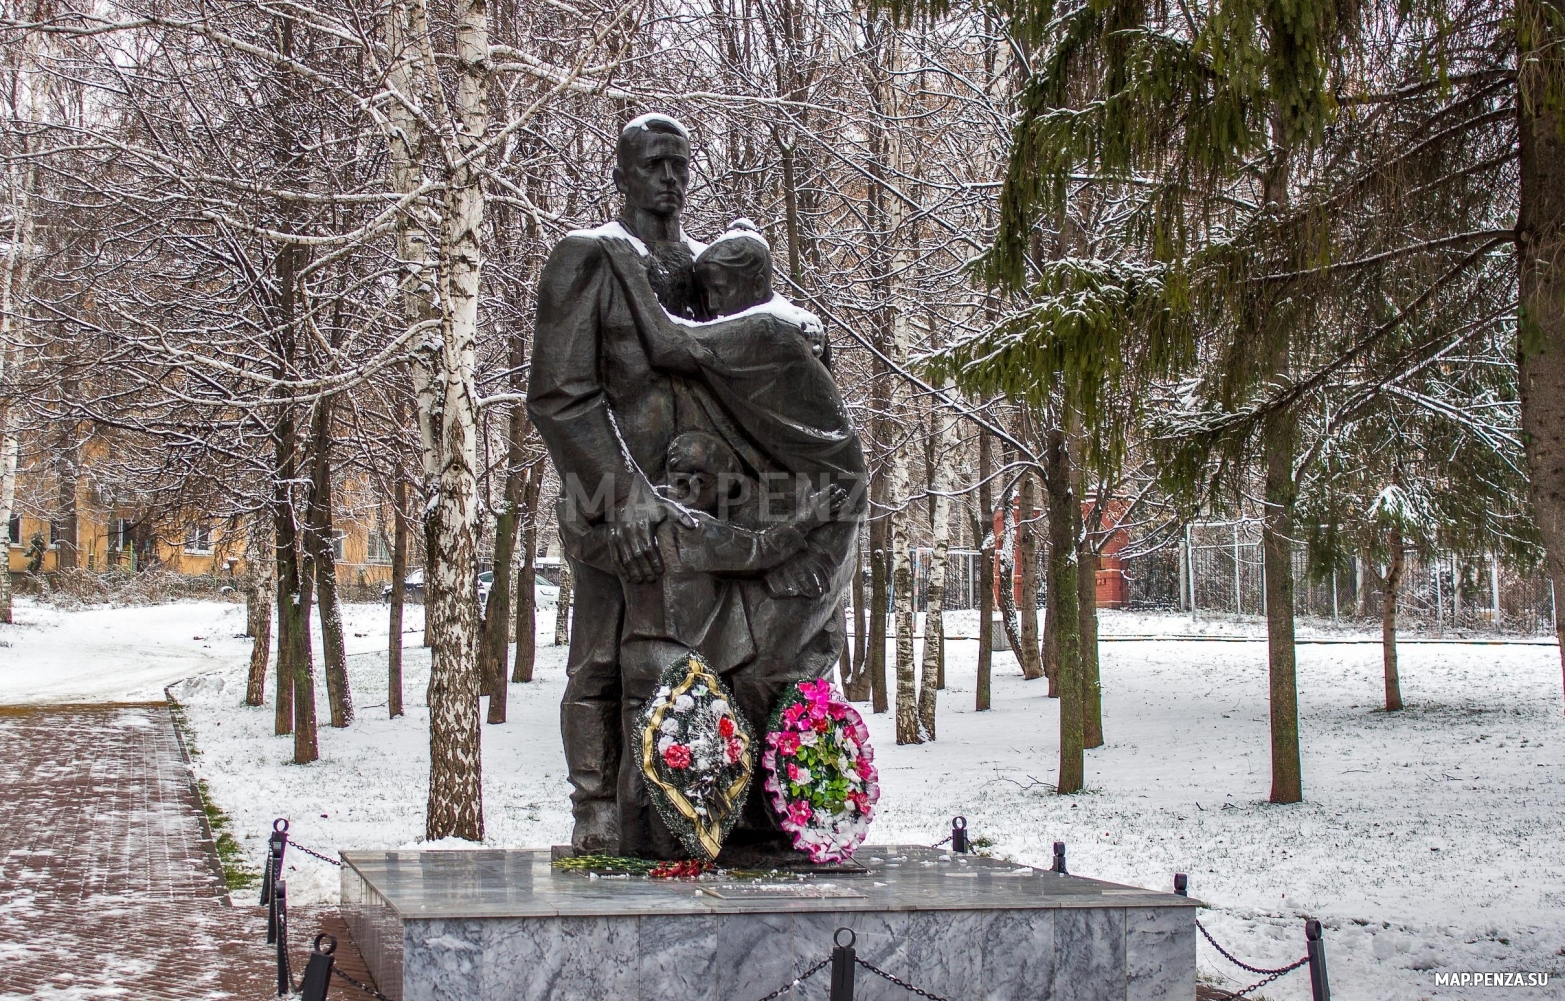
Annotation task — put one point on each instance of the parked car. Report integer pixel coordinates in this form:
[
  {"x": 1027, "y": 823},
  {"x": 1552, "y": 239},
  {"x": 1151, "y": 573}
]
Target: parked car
[
  {"x": 412, "y": 588},
  {"x": 545, "y": 594}
]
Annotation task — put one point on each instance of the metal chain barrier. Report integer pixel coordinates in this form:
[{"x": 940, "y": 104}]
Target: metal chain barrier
[
  {"x": 311, "y": 851},
  {"x": 1246, "y": 966},
  {"x": 796, "y": 981},
  {"x": 1314, "y": 956},
  {"x": 372, "y": 992},
  {"x": 843, "y": 959},
  {"x": 1269, "y": 975},
  {"x": 877, "y": 971}
]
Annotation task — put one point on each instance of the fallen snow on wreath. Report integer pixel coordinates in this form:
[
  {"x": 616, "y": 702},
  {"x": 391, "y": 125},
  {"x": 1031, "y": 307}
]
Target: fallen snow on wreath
[
  {"x": 820, "y": 771},
  {"x": 695, "y": 754}
]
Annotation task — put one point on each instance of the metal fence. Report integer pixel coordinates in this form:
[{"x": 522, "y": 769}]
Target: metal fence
[
  {"x": 1224, "y": 561},
  {"x": 1219, "y": 569}
]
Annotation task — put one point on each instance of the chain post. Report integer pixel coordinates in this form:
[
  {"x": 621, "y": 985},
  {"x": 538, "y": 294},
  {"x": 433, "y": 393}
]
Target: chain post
[
  {"x": 1059, "y": 858},
  {"x": 1320, "y": 990},
  {"x": 959, "y": 835},
  {"x": 274, "y": 858},
  {"x": 279, "y": 841},
  {"x": 317, "y": 974},
  {"x": 284, "y": 971},
  {"x": 1181, "y": 884},
  {"x": 274, "y": 862},
  {"x": 842, "y": 964}
]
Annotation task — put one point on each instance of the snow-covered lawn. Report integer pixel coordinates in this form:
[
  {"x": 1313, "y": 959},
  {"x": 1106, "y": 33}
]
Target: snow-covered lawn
[
  {"x": 114, "y": 654},
  {"x": 1431, "y": 839}
]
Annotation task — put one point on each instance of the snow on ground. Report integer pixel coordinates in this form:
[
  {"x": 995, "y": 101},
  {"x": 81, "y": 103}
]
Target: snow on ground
[
  {"x": 1429, "y": 840},
  {"x": 114, "y": 654}
]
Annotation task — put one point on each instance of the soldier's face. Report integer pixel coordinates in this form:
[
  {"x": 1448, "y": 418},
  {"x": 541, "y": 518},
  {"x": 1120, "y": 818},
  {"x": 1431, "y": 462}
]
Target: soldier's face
[{"x": 655, "y": 174}]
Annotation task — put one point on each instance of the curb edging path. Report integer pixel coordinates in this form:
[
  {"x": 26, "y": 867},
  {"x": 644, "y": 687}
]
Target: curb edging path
[{"x": 107, "y": 882}]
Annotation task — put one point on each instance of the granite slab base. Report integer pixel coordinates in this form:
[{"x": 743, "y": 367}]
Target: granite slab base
[{"x": 507, "y": 926}]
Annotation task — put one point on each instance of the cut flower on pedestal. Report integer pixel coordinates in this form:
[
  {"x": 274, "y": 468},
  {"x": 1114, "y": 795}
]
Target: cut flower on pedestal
[
  {"x": 820, "y": 771},
  {"x": 696, "y": 755}
]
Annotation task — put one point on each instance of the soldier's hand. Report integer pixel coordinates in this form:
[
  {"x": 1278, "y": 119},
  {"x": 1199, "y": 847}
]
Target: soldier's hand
[
  {"x": 633, "y": 540},
  {"x": 807, "y": 575}
]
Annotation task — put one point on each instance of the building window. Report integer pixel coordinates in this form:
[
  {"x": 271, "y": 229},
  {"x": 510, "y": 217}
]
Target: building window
[
  {"x": 198, "y": 537},
  {"x": 121, "y": 537},
  {"x": 13, "y": 531},
  {"x": 56, "y": 532},
  {"x": 378, "y": 548},
  {"x": 336, "y": 544}
]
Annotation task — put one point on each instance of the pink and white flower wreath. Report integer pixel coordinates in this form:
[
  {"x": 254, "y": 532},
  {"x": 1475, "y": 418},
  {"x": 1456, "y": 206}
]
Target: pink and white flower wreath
[{"x": 820, "y": 771}]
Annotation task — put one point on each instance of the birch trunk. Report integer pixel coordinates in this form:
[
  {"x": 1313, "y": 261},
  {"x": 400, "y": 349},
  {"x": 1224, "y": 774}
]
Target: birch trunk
[
  {"x": 9, "y": 447},
  {"x": 259, "y": 575},
  {"x": 930, "y": 679},
  {"x": 399, "y": 575},
  {"x": 407, "y": 37},
  {"x": 858, "y": 689},
  {"x": 902, "y": 584},
  {"x": 448, "y": 403},
  {"x": 875, "y": 633},
  {"x": 13, "y": 281},
  {"x": 1006, "y": 586},
  {"x": 562, "y": 610},
  {"x": 902, "y": 604}
]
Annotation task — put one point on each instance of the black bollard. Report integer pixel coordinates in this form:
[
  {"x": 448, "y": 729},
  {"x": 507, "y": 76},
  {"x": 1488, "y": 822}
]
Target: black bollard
[
  {"x": 274, "y": 860},
  {"x": 842, "y": 964},
  {"x": 1059, "y": 858},
  {"x": 1320, "y": 990},
  {"x": 280, "y": 910},
  {"x": 1181, "y": 884},
  {"x": 959, "y": 835},
  {"x": 317, "y": 974}
]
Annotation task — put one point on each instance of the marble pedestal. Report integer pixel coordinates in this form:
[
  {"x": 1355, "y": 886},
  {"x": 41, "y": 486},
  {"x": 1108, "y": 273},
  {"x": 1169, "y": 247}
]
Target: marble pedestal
[{"x": 506, "y": 926}]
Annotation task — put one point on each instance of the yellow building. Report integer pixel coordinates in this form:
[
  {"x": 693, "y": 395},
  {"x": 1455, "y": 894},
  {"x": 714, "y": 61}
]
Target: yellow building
[{"x": 47, "y": 533}]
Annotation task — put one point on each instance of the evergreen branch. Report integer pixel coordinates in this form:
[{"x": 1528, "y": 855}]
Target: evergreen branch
[
  {"x": 1494, "y": 236},
  {"x": 1240, "y": 422}
]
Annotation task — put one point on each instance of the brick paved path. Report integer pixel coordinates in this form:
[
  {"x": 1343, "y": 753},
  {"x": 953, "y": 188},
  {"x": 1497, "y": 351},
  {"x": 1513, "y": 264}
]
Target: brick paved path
[{"x": 108, "y": 887}]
